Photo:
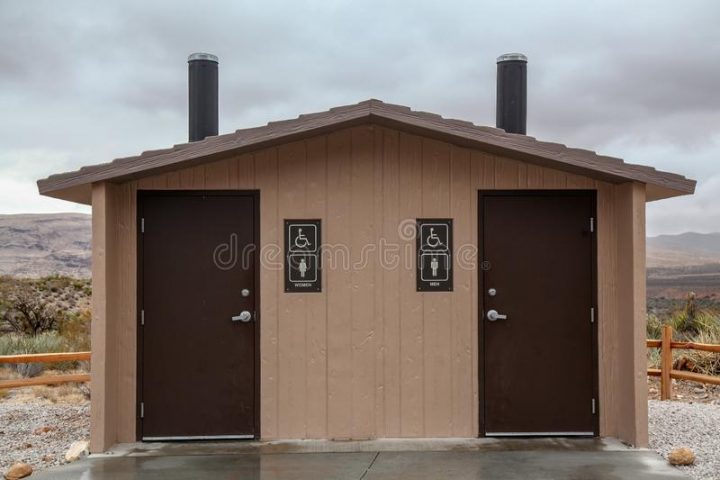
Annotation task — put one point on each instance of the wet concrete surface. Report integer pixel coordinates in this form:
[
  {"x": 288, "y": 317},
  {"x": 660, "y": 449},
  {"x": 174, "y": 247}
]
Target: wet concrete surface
[
  {"x": 523, "y": 460},
  {"x": 378, "y": 445},
  {"x": 521, "y": 465},
  {"x": 311, "y": 466}
]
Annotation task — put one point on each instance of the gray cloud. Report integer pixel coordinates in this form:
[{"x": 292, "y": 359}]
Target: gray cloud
[{"x": 83, "y": 82}]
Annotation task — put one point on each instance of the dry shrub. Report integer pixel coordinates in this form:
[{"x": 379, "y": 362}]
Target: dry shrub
[
  {"x": 75, "y": 330},
  {"x": 653, "y": 357},
  {"x": 690, "y": 324},
  {"x": 68, "y": 393},
  {"x": 696, "y": 360},
  {"x": 654, "y": 326},
  {"x": 27, "y": 312}
]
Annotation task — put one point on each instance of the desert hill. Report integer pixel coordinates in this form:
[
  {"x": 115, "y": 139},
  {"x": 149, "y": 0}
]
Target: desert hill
[
  {"x": 35, "y": 245},
  {"x": 683, "y": 250}
]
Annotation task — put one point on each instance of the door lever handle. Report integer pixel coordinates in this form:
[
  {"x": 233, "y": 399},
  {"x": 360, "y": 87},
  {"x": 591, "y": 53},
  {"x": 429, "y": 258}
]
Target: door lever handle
[
  {"x": 244, "y": 317},
  {"x": 493, "y": 315}
]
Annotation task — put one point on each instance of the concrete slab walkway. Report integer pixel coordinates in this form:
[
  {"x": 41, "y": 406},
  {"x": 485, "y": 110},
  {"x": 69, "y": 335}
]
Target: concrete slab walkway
[{"x": 373, "y": 460}]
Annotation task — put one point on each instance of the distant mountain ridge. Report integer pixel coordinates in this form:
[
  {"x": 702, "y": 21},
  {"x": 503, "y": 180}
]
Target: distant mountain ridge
[
  {"x": 33, "y": 245},
  {"x": 684, "y": 249}
]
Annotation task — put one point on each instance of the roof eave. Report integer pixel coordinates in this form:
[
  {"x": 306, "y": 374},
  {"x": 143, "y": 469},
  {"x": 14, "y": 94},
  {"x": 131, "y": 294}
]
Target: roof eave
[
  {"x": 68, "y": 186},
  {"x": 78, "y": 194}
]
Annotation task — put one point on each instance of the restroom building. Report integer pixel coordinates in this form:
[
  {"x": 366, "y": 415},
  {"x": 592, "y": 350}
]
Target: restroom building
[{"x": 370, "y": 271}]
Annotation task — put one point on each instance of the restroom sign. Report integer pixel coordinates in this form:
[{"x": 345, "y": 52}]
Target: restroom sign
[
  {"x": 434, "y": 255},
  {"x": 302, "y": 256}
]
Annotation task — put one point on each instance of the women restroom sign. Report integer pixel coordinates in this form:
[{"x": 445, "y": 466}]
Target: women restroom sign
[
  {"x": 302, "y": 256},
  {"x": 434, "y": 255}
]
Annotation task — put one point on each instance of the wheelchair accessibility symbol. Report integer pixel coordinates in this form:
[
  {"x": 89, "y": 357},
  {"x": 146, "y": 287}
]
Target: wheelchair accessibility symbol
[
  {"x": 301, "y": 240},
  {"x": 303, "y": 237},
  {"x": 433, "y": 241},
  {"x": 434, "y": 237}
]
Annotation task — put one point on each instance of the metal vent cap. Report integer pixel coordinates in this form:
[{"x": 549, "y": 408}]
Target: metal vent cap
[
  {"x": 512, "y": 57},
  {"x": 203, "y": 56}
]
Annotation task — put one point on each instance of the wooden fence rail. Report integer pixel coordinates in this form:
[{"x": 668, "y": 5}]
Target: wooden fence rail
[
  {"x": 666, "y": 372},
  {"x": 45, "y": 379}
]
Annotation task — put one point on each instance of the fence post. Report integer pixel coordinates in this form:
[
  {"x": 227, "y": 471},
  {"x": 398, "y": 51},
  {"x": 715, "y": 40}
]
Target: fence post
[{"x": 666, "y": 363}]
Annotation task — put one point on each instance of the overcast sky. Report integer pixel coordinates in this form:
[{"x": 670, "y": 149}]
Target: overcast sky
[{"x": 86, "y": 82}]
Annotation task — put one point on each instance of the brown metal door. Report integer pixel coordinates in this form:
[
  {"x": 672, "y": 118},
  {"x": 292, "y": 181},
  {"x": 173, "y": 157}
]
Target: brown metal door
[
  {"x": 538, "y": 364},
  {"x": 198, "y": 365}
]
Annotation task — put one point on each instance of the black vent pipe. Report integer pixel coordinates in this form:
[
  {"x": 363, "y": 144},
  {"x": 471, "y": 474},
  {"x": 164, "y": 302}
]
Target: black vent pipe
[
  {"x": 511, "y": 113},
  {"x": 202, "y": 96}
]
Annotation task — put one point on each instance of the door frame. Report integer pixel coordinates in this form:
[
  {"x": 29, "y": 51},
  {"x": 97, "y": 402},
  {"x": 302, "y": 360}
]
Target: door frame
[
  {"x": 482, "y": 194},
  {"x": 140, "y": 196}
]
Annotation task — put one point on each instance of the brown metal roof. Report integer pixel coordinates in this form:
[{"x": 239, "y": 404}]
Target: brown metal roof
[{"x": 75, "y": 186}]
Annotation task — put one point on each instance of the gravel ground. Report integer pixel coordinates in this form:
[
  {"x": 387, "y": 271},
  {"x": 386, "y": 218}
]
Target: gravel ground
[
  {"x": 22, "y": 437},
  {"x": 40, "y": 434},
  {"x": 693, "y": 425}
]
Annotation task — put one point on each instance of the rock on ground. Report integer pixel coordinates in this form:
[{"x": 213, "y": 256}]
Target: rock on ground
[
  {"x": 691, "y": 425},
  {"x": 18, "y": 471},
  {"x": 24, "y": 438},
  {"x": 76, "y": 451},
  {"x": 681, "y": 456}
]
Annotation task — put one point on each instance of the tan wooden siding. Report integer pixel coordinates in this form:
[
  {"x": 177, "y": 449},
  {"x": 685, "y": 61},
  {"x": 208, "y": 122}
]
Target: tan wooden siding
[
  {"x": 369, "y": 356},
  {"x": 632, "y": 407},
  {"x": 103, "y": 367}
]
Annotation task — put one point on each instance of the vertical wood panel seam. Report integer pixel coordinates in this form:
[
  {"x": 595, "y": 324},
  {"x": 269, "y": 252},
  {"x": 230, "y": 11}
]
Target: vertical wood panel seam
[
  {"x": 353, "y": 279},
  {"x": 473, "y": 212},
  {"x": 401, "y": 266},
  {"x": 450, "y": 164},
  {"x": 379, "y": 150},
  {"x": 327, "y": 293},
  {"x": 306, "y": 356},
  {"x": 422, "y": 295},
  {"x": 280, "y": 287}
]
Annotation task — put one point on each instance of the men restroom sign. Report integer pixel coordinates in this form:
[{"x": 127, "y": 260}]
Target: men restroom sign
[
  {"x": 302, "y": 256},
  {"x": 434, "y": 255}
]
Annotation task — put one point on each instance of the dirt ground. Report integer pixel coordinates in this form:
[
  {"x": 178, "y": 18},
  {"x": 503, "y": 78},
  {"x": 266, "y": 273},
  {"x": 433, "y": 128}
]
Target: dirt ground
[{"x": 685, "y": 391}]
